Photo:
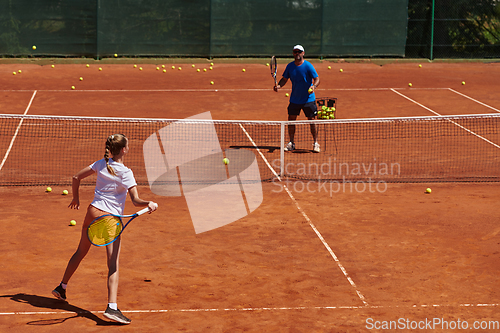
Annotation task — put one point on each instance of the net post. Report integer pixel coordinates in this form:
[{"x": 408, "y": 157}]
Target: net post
[{"x": 282, "y": 148}]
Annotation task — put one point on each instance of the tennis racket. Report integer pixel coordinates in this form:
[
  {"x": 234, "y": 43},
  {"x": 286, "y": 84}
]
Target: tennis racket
[
  {"x": 274, "y": 69},
  {"x": 105, "y": 229}
]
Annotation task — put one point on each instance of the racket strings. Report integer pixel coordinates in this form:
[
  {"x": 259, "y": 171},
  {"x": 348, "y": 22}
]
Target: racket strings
[{"x": 105, "y": 230}]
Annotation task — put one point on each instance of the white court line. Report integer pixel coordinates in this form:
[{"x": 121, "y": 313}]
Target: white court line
[
  {"x": 329, "y": 249},
  {"x": 451, "y": 121},
  {"x": 295, "y": 308},
  {"x": 475, "y": 100},
  {"x": 17, "y": 130}
]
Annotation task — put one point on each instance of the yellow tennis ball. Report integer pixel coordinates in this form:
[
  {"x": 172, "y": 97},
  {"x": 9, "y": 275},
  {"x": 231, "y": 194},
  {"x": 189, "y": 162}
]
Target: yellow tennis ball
[
  {"x": 198, "y": 70},
  {"x": 73, "y": 87},
  {"x": 420, "y": 66},
  {"x": 287, "y": 94},
  {"x": 267, "y": 64},
  {"x": 192, "y": 65},
  {"x": 243, "y": 70},
  {"x": 173, "y": 67},
  {"x": 210, "y": 67},
  {"x": 162, "y": 66},
  {"x": 409, "y": 84},
  {"x": 135, "y": 66},
  {"x": 211, "y": 82},
  {"x": 180, "y": 68},
  {"x": 52, "y": 66},
  {"x": 81, "y": 78},
  {"x": 100, "y": 68},
  {"x": 48, "y": 189},
  {"x": 14, "y": 73},
  {"x": 65, "y": 192},
  {"x": 310, "y": 90},
  {"x": 34, "y": 47},
  {"x": 164, "y": 71},
  {"x": 140, "y": 68},
  {"x": 116, "y": 55},
  {"x": 88, "y": 65},
  {"x": 157, "y": 68},
  {"x": 72, "y": 222},
  {"x": 428, "y": 190},
  {"x": 226, "y": 161},
  {"x": 204, "y": 69},
  {"x": 463, "y": 82},
  {"x": 329, "y": 67},
  {"x": 341, "y": 70},
  {"x": 211, "y": 64}
]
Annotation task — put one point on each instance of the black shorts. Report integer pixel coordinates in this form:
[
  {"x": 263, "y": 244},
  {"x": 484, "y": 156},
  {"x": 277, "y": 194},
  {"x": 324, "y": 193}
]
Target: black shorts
[{"x": 310, "y": 109}]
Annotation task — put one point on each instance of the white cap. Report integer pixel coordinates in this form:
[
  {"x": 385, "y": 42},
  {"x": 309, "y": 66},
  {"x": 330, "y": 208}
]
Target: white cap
[{"x": 298, "y": 47}]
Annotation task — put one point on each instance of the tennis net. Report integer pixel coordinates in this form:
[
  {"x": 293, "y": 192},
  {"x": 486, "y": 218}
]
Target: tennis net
[{"x": 48, "y": 150}]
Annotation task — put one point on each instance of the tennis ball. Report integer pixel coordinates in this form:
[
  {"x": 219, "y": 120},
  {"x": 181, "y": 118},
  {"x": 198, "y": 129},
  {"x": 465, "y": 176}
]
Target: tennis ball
[
  {"x": 226, "y": 161},
  {"x": 65, "y": 192},
  {"x": 420, "y": 66},
  {"x": 48, "y": 189},
  {"x": 73, "y": 87},
  {"x": 19, "y": 71},
  {"x": 267, "y": 64},
  {"x": 100, "y": 68},
  {"x": 14, "y": 73},
  {"x": 164, "y": 71},
  {"x": 116, "y": 55},
  {"x": 173, "y": 67},
  {"x": 162, "y": 66},
  {"x": 243, "y": 70},
  {"x": 341, "y": 70},
  {"x": 34, "y": 47},
  {"x": 180, "y": 68},
  {"x": 210, "y": 67},
  {"x": 428, "y": 190},
  {"x": 204, "y": 69},
  {"x": 81, "y": 78},
  {"x": 192, "y": 65},
  {"x": 157, "y": 68},
  {"x": 287, "y": 94},
  {"x": 211, "y": 82},
  {"x": 198, "y": 70},
  {"x": 409, "y": 84},
  {"x": 310, "y": 90},
  {"x": 211, "y": 64},
  {"x": 463, "y": 82},
  {"x": 329, "y": 67},
  {"x": 72, "y": 222},
  {"x": 52, "y": 66},
  {"x": 87, "y": 65},
  {"x": 140, "y": 68}
]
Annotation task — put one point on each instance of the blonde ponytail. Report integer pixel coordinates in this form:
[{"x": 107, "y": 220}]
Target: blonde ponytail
[{"x": 114, "y": 144}]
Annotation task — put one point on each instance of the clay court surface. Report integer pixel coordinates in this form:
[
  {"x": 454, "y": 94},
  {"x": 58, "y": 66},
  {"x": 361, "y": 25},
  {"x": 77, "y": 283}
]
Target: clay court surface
[{"x": 303, "y": 261}]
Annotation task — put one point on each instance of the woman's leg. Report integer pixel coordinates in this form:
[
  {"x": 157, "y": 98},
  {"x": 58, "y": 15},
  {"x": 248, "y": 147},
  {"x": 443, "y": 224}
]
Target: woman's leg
[{"x": 113, "y": 253}]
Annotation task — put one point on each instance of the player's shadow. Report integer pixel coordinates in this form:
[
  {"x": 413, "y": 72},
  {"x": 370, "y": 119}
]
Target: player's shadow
[
  {"x": 270, "y": 149},
  {"x": 55, "y": 304}
]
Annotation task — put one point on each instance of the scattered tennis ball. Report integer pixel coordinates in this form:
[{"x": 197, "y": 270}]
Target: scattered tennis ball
[
  {"x": 341, "y": 70},
  {"x": 180, "y": 68},
  {"x": 81, "y": 78},
  {"x": 52, "y": 66},
  {"x": 164, "y": 71},
  {"x": 226, "y": 161},
  {"x": 88, "y": 65},
  {"x": 428, "y": 190},
  {"x": 243, "y": 70},
  {"x": 162, "y": 66},
  {"x": 204, "y": 69},
  {"x": 198, "y": 70},
  {"x": 211, "y": 82},
  {"x": 463, "y": 82},
  {"x": 73, "y": 87},
  {"x": 267, "y": 64},
  {"x": 135, "y": 66},
  {"x": 14, "y": 73},
  {"x": 157, "y": 68},
  {"x": 100, "y": 68},
  {"x": 173, "y": 67},
  {"x": 65, "y": 192},
  {"x": 420, "y": 66},
  {"x": 140, "y": 68},
  {"x": 211, "y": 64},
  {"x": 192, "y": 65},
  {"x": 210, "y": 67},
  {"x": 72, "y": 222},
  {"x": 34, "y": 47},
  {"x": 287, "y": 94},
  {"x": 19, "y": 71},
  {"x": 329, "y": 67},
  {"x": 116, "y": 55},
  {"x": 48, "y": 189},
  {"x": 409, "y": 84}
]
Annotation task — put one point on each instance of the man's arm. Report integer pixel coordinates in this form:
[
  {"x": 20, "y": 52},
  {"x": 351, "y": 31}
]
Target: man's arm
[{"x": 280, "y": 85}]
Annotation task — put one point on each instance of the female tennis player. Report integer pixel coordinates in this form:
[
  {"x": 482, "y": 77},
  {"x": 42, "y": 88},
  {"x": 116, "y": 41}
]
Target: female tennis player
[{"x": 113, "y": 182}]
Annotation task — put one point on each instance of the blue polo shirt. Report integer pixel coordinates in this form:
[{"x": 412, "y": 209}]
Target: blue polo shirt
[{"x": 302, "y": 78}]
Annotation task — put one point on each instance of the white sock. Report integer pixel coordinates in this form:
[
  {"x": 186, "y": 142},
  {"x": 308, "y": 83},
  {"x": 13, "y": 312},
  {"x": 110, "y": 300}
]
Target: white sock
[
  {"x": 113, "y": 306},
  {"x": 64, "y": 285}
]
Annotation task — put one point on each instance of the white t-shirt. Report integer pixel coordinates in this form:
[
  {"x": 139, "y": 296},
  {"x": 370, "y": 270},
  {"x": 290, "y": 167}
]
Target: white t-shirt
[{"x": 111, "y": 191}]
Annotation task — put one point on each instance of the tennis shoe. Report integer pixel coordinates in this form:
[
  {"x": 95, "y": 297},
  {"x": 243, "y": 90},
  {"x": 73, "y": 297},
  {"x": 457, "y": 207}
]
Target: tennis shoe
[
  {"x": 316, "y": 147},
  {"x": 116, "y": 315},
  {"x": 59, "y": 293},
  {"x": 290, "y": 146}
]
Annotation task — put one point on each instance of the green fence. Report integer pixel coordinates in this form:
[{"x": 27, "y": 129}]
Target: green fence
[{"x": 255, "y": 28}]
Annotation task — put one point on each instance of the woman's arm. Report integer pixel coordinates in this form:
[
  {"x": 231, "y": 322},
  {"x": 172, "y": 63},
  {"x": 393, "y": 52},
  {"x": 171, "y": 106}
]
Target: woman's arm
[
  {"x": 84, "y": 173},
  {"x": 138, "y": 202}
]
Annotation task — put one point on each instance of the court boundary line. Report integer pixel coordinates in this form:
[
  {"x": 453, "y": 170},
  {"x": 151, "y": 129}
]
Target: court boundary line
[
  {"x": 451, "y": 121},
  {"x": 17, "y": 131},
  {"x": 293, "y": 308},
  {"x": 475, "y": 100},
  {"x": 318, "y": 234}
]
